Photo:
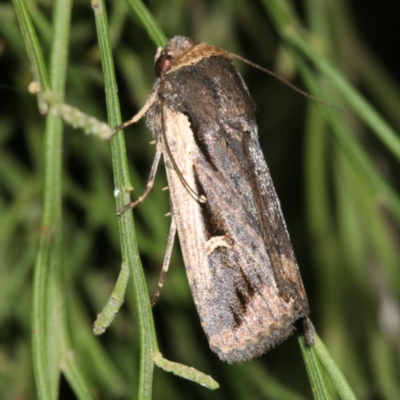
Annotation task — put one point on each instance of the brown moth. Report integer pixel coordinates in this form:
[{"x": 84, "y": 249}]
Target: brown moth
[{"x": 238, "y": 257}]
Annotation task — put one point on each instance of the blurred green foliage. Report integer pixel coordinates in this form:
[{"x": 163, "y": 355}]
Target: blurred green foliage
[{"x": 335, "y": 173}]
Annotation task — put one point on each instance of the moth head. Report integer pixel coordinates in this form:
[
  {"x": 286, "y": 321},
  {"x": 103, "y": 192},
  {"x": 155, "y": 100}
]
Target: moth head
[{"x": 174, "y": 49}]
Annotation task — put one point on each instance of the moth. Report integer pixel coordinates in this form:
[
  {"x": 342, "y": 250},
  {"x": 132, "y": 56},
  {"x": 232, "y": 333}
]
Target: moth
[{"x": 239, "y": 260}]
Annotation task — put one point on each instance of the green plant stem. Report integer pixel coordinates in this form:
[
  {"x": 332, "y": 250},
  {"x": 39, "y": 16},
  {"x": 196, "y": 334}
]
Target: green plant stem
[
  {"x": 74, "y": 376},
  {"x": 314, "y": 370},
  {"x": 114, "y": 303},
  {"x": 333, "y": 371},
  {"x": 148, "y": 22},
  {"x": 50, "y": 338},
  {"x": 76, "y": 118},
  {"x": 46, "y": 253},
  {"x": 33, "y": 49},
  {"x": 91, "y": 351},
  {"x": 56, "y": 336},
  {"x": 185, "y": 372},
  {"x": 148, "y": 343}
]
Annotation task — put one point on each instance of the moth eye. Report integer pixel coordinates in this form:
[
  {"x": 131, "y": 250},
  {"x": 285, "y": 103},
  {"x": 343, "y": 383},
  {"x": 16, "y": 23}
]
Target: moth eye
[{"x": 163, "y": 63}]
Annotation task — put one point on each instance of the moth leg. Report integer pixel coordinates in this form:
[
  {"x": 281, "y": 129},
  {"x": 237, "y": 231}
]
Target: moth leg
[
  {"x": 149, "y": 185},
  {"x": 139, "y": 115},
  {"x": 167, "y": 258}
]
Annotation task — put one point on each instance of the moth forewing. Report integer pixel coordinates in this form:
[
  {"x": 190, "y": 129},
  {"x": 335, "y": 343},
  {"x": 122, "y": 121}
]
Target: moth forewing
[
  {"x": 239, "y": 261},
  {"x": 276, "y": 236}
]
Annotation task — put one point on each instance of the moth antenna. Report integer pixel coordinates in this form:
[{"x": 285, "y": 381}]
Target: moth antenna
[
  {"x": 138, "y": 116},
  {"x": 285, "y": 82},
  {"x": 192, "y": 192}
]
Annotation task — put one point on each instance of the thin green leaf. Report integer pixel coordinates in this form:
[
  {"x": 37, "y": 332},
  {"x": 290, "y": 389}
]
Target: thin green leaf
[
  {"x": 114, "y": 303},
  {"x": 77, "y": 119},
  {"x": 315, "y": 372},
  {"x": 185, "y": 372},
  {"x": 148, "y": 22},
  {"x": 33, "y": 49},
  {"x": 74, "y": 377},
  {"x": 333, "y": 371}
]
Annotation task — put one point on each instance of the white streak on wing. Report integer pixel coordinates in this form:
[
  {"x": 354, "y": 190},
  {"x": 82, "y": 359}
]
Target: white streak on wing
[{"x": 186, "y": 210}]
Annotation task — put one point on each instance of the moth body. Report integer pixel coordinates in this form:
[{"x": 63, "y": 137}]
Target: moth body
[{"x": 238, "y": 257}]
